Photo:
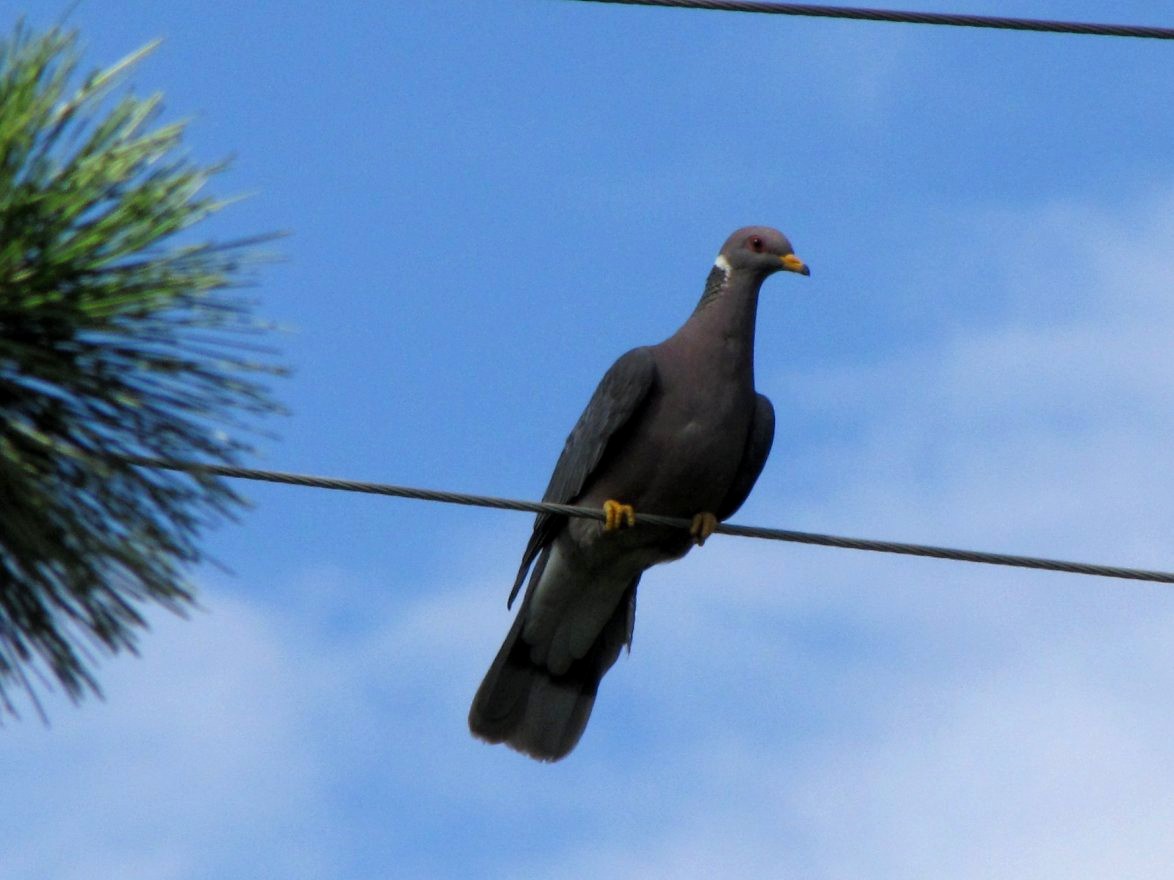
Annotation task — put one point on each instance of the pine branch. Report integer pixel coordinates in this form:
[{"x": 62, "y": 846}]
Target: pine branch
[{"x": 115, "y": 339}]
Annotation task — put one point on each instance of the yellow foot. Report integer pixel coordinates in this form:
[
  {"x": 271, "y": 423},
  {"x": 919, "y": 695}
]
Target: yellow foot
[
  {"x": 704, "y": 525},
  {"x": 617, "y": 515}
]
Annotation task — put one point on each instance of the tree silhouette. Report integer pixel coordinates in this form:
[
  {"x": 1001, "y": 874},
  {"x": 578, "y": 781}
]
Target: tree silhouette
[{"x": 119, "y": 336}]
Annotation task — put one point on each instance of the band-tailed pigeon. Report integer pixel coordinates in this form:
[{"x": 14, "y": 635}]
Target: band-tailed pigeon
[{"x": 675, "y": 429}]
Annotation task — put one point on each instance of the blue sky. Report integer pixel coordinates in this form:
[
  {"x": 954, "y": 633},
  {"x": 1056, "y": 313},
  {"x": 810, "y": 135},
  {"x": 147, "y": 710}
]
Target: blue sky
[{"x": 489, "y": 203}]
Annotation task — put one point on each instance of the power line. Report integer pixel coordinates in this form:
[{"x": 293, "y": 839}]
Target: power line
[
  {"x": 653, "y": 519},
  {"x": 939, "y": 18}
]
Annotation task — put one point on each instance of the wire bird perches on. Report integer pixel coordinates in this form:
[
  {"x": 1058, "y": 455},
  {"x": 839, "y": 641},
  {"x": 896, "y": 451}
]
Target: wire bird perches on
[
  {"x": 904, "y": 17},
  {"x": 653, "y": 519}
]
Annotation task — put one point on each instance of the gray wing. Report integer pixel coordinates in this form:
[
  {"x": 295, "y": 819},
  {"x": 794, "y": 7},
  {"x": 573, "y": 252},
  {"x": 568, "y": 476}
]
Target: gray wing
[
  {"x": 758, "y": 443},
  {"x": 620, "y": 395}
]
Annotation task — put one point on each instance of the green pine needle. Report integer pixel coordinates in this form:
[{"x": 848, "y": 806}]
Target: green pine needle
[{"x": 115, "y": 340}]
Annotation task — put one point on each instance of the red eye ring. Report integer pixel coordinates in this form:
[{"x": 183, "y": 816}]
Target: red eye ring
[{"x": 756, "y": 244}]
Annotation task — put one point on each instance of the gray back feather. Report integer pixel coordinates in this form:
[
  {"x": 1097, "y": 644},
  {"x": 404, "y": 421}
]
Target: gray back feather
[{"x": 620, "y": 395}]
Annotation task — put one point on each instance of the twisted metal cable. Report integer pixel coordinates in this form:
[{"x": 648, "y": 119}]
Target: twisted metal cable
[
  {"x": 893, "y": 15},
  {"x": 654, "y": 519}
]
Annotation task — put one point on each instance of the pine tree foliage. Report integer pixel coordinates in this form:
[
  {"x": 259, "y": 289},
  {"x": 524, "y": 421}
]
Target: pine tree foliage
[{"x": 118, "y": 337}]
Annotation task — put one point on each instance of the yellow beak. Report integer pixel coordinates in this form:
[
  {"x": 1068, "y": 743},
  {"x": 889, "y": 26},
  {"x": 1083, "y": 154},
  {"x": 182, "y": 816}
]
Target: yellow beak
[{"x": 793, "y": 264}]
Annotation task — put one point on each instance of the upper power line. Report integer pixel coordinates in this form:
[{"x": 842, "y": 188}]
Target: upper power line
[{"x": 893, "y": 15}]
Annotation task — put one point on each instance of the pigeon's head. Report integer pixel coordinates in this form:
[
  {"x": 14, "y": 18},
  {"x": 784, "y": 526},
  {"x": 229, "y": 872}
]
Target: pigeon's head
[{"x": 759, "y": 250}]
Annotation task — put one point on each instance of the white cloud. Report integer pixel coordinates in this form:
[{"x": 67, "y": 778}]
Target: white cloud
[
  {"x": 1040, "y": 765},
  {"x": 194, "y": 754},
  {"x": 1056, "y": 408}
]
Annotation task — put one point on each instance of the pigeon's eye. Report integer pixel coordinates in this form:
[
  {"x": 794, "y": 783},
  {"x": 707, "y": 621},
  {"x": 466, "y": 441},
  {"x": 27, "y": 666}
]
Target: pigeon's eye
[{"x": 756, "y": 244}]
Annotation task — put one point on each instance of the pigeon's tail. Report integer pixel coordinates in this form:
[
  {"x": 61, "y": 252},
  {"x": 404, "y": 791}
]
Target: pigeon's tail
[{"x": 522, "y": 704}]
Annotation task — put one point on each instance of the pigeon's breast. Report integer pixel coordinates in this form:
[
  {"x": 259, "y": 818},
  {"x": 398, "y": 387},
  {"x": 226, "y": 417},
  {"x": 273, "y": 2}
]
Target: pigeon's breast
[{"x": 681, "y": 457}]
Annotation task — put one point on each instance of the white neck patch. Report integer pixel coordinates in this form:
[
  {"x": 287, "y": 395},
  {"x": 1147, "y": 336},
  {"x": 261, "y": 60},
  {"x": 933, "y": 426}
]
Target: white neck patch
[{"x": 722, "y": 263}]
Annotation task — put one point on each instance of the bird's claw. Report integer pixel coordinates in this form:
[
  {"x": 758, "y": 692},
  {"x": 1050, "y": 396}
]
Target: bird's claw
[
  {"x": 617, "y": 515},
  {"x": 704, "y": 525}
]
